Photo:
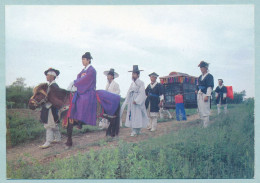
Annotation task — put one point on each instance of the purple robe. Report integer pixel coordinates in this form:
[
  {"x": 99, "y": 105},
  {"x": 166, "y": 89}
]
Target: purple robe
[
  {"x": 84, "y": 105},
  {"x": 109, "y": 101}
]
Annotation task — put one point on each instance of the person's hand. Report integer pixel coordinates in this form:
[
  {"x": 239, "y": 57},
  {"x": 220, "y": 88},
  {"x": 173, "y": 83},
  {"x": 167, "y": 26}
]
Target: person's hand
[
  {"x": 206, "y": 98},
  {"x": 196, "y": 91},
  {"x": 161, "y": 104},
  {"x": 134, "y": 102}
]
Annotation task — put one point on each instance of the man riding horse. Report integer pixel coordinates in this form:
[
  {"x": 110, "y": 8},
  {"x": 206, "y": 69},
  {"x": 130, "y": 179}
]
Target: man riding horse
[{"x": 83, "y": 104}]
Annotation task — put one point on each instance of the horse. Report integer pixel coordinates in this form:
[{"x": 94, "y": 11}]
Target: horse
[{"x": 61, "y": 98}]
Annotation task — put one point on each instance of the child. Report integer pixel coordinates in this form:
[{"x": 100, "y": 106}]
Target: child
[{"x": 180, "y": 107}]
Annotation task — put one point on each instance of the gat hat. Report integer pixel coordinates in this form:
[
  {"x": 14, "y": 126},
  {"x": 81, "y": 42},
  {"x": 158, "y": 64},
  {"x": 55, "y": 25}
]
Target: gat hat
[
  {"x": 153, "y": 74},
  {"x": 203, "y": 64},
  {"x": 87, "y": 55},
  {"x": 52, "y": 72},
  {"x": 221, "y": 80},
  {"x": 111, "y": 72},
  {"x": 135, "y": 69}
]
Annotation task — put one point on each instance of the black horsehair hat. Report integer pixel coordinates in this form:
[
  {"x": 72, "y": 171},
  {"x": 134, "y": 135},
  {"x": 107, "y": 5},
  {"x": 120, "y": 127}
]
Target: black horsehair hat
[
  {"x": 221, "y": 80},
  {"x": 203, "y": 64},
  {"x": 57, "y": 72},
  {"x": 135, "y": 69},
  {"x": 111, "y": 72},
  {"x": 87, "y": 55},
  {"x": 153, "y": 74}
]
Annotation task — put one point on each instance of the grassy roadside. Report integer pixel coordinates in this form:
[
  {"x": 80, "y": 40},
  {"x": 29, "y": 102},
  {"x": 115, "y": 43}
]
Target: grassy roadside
[{"x": 223, "y": 150}]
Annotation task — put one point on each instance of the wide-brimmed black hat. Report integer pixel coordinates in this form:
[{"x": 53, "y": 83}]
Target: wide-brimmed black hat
[
  {"x": 203, "y": 64},
  {"x": 111, "y": 72},
  {"x": 57, "y": 72},
  {"x": 87, "y": 55},
  {"x": 221, "y": 80},
  {"x": 135, "y": 69},
  {"x": 153, "y": 74}
]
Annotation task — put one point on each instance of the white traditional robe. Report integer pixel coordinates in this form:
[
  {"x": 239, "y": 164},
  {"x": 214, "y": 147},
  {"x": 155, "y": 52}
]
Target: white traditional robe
[
  {"x": 204, "y": 107},
  {"x": 136, "y": 113},
  {"x": 113, "y": 87}
]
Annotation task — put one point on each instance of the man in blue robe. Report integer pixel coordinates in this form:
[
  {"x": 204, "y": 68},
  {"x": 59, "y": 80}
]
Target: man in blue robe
[
  {"x": 203, "y": 91},
  {"x": 154, "y": 100},
  {"x": 221, "y": 96}
]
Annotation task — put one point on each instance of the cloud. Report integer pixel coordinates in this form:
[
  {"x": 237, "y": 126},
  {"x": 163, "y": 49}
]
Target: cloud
[{"x": 158, "y": 38}]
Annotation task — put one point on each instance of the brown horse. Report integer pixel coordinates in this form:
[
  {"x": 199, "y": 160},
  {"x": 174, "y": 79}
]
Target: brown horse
[{"x": 60, "y": 99}]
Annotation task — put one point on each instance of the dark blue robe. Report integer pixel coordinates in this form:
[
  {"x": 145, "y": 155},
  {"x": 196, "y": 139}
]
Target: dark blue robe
[
  {"x": 153, "y": 97},
  {"x": 208, "y": 81},
  {"x": 220, "y": 92}
]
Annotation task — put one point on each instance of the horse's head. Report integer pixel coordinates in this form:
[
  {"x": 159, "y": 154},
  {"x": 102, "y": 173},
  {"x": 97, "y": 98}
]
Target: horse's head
[{"x": 39, "y": 96}]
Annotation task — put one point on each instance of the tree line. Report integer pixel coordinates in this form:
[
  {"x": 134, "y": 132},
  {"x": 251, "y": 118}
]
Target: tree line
[{"x": 18, "y": 95}]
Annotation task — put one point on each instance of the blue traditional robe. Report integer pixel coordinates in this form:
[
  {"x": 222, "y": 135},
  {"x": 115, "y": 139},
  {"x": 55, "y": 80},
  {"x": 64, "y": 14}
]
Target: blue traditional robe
[
  {"x": 153, "y": 97},
  {"x": 220, "y": 98}
]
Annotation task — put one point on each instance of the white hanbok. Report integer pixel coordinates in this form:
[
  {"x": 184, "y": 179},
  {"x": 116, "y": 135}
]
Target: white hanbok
[{"x": 136, "y": 117}]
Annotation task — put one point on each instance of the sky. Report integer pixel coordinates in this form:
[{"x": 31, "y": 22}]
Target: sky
[{"x": 157, "y": 38}]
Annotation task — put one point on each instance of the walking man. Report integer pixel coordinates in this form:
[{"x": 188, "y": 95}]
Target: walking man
[
  {"x": 136, "y": 117},
  {"x": 204, "y": 90},
  {"x": 221, "y": 96},
  {"x": 49, "y": 114},
  {"x": 154, "y": 100}
]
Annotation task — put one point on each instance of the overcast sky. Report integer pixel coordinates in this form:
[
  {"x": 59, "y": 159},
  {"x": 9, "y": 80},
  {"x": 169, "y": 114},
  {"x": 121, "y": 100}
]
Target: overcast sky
[{"x": 159, "y": 39}]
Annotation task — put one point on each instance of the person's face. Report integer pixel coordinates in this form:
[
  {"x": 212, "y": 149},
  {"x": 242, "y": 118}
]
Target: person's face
[
  {"x": 85, "y": 61},
  {"x": 153, "y": 79},
  {"x": 110, "y": 77},
  {"x": 49, "y": 77},
  {"x": 203, "y": 70},
  {"x": 219, "y": 82},
  {"x": 135, "y": 76}
]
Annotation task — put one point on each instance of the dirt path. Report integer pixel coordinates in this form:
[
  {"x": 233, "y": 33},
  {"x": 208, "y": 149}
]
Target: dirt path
[{"x": 91, "y": 140}]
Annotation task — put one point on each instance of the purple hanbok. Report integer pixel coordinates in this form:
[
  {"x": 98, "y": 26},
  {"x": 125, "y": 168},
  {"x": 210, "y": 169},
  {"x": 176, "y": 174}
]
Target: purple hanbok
[{"x": 84, "y": 103}]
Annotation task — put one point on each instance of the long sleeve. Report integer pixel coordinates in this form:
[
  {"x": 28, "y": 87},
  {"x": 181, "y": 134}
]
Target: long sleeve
[
  {"x": 146, "y": 90},
  {"x": 141, "y": 94},
  {"x": 210, "y": 84},
  {"x": 209, "y": 91},
  {"x": 161, "y": 91},
  {"x": 116, "y": 89},
  {"x": 87, "y": 81},
  {"x": 225, "y": 92},
  {"x": 217, "y": 92}
]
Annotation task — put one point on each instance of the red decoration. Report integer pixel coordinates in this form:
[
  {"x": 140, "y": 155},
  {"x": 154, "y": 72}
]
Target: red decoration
[{"x": 230, "y": 92}]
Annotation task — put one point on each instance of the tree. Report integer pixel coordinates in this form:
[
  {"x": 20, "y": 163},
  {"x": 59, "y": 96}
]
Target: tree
[{"x": 17, "y": 95}]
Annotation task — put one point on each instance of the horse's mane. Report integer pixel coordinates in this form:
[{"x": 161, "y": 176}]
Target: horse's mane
[
  {"x": 63, "y": 92},
  {"x": 58, "y": 92},
  {"x": 40, "y": 86}
]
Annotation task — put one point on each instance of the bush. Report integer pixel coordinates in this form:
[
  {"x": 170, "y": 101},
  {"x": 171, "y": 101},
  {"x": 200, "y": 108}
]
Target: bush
[{"x": 22, "y": 129}]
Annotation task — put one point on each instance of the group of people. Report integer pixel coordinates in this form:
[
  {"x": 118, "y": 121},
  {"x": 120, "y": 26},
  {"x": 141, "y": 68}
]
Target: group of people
[{"x": 143, "y": 103}]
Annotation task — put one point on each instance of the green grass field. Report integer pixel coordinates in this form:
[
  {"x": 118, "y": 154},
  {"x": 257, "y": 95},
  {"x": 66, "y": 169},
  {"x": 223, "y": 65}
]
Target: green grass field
[{"x": 223, "y": 150}]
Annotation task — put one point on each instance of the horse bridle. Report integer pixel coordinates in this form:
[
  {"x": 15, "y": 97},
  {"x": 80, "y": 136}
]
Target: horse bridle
[{"x": 44, "y": 100}]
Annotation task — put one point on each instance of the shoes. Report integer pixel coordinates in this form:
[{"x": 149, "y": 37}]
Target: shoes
[
  {"x": 46, "y": 145},
  {"x": 56, "y": 141},
  {"x": 79, "y": 126},
  {"x": 148, "y": 128},
  {"x": 133, "y": 134},
  {"x": 153, "y": 129}
]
